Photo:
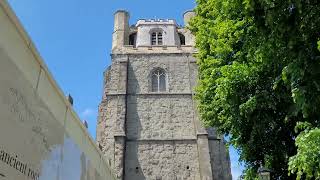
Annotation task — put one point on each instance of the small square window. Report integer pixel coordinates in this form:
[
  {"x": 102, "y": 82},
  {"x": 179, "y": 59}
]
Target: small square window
[{"x": 156, "y": 38}]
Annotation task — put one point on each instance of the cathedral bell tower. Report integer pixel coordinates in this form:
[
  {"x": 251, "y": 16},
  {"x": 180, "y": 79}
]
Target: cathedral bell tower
[{"x": 148, "y": 123}]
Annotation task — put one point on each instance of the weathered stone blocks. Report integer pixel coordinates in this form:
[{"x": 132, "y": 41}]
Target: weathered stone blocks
[
  {"x": 168, "y": 160},
  {"x": 160, "y": 117}
]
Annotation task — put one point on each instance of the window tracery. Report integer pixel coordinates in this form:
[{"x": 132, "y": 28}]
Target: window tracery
[{"x": 159, "y": 83}]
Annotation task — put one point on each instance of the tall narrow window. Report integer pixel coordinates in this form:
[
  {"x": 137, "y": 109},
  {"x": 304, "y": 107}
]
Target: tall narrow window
[
  {"x": 182, "y": 39},
  {"x": 132, "y": 39},
  {"x": 156, "y": 38},
  {"x": 159, "y": 80},
  {"x": 159, "y": 38}
]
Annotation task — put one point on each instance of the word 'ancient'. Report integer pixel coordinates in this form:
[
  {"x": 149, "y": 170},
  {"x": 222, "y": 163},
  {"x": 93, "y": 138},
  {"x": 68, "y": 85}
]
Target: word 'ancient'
[{"x": 14, "y": 162}]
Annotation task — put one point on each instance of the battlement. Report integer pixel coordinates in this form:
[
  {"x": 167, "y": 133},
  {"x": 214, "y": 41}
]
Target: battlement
[
  {"x": 156, "y": 22},
  {"x": 150, "y": 32}
]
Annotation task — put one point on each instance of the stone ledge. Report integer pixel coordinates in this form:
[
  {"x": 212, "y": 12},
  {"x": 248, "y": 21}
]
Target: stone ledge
[
  {"x": 160, "y": 140},
  {"x": 215, "y": 139},
  {"x": 149, "y": 94},
  {"x": 130, "y": 55},
  {"x": 129, "y": 49}
]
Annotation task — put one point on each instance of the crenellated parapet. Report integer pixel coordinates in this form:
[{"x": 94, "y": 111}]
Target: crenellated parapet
[{"x": 150, "y": 33}]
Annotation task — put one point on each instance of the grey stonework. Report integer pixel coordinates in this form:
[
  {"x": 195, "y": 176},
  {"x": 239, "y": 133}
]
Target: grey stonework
[
  {"x": 156, "y": 135},
  {"x": 168, "y": 159}
]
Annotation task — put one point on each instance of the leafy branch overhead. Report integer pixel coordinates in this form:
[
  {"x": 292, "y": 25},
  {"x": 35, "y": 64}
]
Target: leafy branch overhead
[
  {"x": 259, "y": 74},
  {"x": 306, "y": 163}
]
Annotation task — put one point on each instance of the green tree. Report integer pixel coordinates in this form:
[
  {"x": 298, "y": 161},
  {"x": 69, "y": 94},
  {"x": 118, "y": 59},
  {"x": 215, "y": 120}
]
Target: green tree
[
  {"x": 306, "y": 163},
  {"x": 259, "y": 74}
]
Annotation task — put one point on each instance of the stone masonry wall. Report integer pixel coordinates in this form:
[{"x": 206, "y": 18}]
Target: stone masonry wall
[
  {"x": 112, "y": 115},
  {"x": 162, "y": 160},
  {"x": 160, "y": 117},
  {"x": 176, "y": 67},
  {"x": 156, "y": 133},
  {"x": 160, "y": 126},
  {"x": 220, "y": 161}
]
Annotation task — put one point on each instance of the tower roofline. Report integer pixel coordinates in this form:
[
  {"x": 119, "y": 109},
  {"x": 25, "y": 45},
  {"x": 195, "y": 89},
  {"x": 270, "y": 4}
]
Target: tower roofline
[
  {"x": 188, "y": 11},
  {"x": 121, "y": 11},
  {"x": 156, "y": 22}
]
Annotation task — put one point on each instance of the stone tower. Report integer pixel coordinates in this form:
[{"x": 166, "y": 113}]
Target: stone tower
[{"x": 148, "y": 125}]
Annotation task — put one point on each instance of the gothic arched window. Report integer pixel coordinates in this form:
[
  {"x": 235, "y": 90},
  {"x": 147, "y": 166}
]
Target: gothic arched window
[
  {"x": 156, "y": 38},
  {"x": 159, "y": 83}
]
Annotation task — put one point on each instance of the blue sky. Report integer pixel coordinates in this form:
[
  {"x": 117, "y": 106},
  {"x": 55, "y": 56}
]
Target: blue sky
[{"x": 74, "y": 38}]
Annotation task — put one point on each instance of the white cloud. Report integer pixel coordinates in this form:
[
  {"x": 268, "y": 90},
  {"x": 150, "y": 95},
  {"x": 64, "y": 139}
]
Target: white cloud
[{"x": 87, "y": 113}]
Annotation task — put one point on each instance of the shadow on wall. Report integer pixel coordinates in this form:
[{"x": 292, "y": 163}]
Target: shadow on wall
[{"x": 133, "y": 168}]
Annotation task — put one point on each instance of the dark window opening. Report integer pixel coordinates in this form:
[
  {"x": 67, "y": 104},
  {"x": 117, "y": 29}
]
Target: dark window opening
[
  {"x": 132, "y": 39},
  {"x": 182, "y": 39},
  {"x": 159, "y": 38},
  {"x": 154, "y": 38}
]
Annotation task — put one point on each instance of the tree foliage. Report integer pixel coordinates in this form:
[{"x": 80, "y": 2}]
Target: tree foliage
[
  {"x": 306, "y": 163},
  {"x": 259, "y": 74}
]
